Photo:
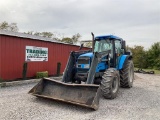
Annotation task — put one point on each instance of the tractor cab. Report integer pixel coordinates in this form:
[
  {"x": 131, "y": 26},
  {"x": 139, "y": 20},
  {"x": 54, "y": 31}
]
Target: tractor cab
[
  {"x": 102, "y": 44},
  {"x": 110, "y": 43}
]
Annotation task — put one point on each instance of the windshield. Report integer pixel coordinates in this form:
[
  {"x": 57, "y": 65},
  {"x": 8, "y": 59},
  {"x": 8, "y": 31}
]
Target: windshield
[{"x": 102, "y": 45}]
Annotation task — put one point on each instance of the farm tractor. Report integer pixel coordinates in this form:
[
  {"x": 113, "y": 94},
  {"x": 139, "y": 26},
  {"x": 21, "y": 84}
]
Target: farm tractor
[{"x": 91, "y": 73}]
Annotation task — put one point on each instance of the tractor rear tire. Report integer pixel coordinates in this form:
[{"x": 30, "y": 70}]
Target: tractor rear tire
[
  {"x": 110, "y": 83},
  {"x": 127, "y": 75}
]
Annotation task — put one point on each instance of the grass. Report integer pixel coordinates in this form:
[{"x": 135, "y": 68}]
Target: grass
[{"x": 156, "y": 71}]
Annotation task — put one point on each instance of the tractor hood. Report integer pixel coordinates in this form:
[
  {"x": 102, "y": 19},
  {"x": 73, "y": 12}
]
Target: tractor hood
[{"x": 87, "y": 55}]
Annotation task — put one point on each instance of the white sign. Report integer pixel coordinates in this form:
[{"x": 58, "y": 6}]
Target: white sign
[{"x": 36, "y": 53}]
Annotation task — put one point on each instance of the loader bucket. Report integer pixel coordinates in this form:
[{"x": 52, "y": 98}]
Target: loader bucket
[{"x": 86, "y": 95}]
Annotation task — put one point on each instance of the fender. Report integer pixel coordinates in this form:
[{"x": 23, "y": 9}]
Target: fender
[{"x": 123, "y": 59}]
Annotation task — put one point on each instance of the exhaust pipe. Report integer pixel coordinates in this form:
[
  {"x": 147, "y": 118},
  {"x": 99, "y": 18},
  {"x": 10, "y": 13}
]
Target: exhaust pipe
[{"x": 92, "y": 41}]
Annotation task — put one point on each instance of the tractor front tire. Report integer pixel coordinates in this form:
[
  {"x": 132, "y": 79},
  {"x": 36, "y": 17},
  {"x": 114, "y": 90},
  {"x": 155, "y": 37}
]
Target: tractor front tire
[
  {"x": 110, "y": 83},
  {"x": 127, "y": 75}
]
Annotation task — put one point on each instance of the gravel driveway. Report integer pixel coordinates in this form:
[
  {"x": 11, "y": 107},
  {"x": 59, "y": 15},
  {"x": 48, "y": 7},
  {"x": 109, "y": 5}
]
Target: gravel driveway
[{"x": 142, "y": 102}]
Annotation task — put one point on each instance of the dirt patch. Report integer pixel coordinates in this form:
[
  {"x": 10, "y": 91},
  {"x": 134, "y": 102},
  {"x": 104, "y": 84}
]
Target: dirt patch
[{"x": 136, "y": 77}]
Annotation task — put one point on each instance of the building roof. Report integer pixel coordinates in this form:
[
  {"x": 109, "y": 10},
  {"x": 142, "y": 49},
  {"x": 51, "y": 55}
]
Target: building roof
[{"x": 24, "y": 35}]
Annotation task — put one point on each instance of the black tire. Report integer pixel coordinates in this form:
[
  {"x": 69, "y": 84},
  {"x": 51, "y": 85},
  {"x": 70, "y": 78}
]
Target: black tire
[
  {"x": 110, "y": 83},
  {"x": 127, "y": 75}
]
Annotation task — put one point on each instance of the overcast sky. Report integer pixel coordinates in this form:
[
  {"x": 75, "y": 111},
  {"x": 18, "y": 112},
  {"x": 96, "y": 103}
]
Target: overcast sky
[{"x": 136, "y": 21}]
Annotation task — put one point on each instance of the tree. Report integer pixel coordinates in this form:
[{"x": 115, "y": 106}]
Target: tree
[
  {"x": 67, "y": 40},
  {"x": 13, "y": 27},
  {"x": 73, "y": 40},
  {"x": 44, "y": 34},
  {"x": 47, "y": 34},
  {"x": 139, "y": 56},
  {"x": 9, "y": 27},
  {"x": 37, "y": 33},
  {"x": 4, "y": 25},
  {"x": 154, "y": 56},
  {"x": 29, "y": 32},
  {"x": 88, "y": 44}
]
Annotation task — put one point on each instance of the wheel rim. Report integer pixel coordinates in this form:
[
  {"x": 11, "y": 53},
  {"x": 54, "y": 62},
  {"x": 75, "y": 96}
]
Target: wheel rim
[
  {"x": 115, "y": 85},
  {"x": 131, "y": 75}
]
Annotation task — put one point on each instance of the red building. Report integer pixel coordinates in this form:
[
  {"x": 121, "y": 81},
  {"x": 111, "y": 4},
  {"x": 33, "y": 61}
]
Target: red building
[{"x": 41, "y": 54}]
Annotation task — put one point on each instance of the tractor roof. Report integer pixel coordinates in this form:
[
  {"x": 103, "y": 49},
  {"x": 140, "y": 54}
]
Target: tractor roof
[{"x": 108, "y": 37}]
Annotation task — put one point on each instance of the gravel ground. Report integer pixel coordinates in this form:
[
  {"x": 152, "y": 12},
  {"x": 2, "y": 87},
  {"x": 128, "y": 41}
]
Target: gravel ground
[{"x": 142, "y": 102}]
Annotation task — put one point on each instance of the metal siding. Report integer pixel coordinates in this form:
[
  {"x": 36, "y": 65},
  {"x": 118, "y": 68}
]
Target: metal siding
[
  {"x": 12, "y": 50},
  {"x": 0, "y": 57},
  {"x": 3, "y": 67}
]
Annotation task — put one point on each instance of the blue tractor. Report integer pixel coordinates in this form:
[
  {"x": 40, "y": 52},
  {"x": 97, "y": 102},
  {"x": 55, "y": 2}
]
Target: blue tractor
[{"x": 91, "y": 73}]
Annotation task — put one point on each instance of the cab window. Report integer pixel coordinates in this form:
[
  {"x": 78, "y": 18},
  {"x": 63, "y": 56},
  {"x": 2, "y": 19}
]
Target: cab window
[
  {"x": 118, "y": 46},
  {"x": 102, "y": 45}
]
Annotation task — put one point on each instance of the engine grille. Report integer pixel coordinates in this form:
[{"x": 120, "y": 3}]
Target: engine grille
[
  {"x": 82, "y": 70},
  {"x": 83, "y": 60}
]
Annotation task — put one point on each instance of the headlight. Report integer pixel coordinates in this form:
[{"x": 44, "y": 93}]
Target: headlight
[{"x": 86, "y": 66}]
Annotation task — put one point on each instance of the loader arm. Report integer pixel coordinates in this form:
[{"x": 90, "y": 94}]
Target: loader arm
[
  {"x": 69, "y": 71},
  {"x": 96, "y": 59}
]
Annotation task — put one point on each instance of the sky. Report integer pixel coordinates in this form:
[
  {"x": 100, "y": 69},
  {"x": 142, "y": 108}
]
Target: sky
[{"x": 136, "y": 21}]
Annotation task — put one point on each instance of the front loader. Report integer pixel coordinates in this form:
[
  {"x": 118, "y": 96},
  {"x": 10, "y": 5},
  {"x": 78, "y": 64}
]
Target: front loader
[{"x": 90, "y": 73}]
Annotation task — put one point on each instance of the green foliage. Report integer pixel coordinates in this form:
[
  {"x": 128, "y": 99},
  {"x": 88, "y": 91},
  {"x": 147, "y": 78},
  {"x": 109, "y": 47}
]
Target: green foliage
[
  {"x": 67, "y": 40},
  {"x": 9, "y": 27},
  {"x": 154, "y": 56},
  {"x": 88, "y": 44},
  {"x": 42, "y": 74},
  {"x": 29, "y": 32},
  {"x": 55, "y": 36},
  {"x": 1, "y": 80},
  {"x": 43, "y": 34},
  {"x": 73, "y": 40},
  {"x": 139, "y": 56},
  {"x": 47, "y": 34},
  {"x": 146, "y": 58},
  {"x": 37, "y": 33}
]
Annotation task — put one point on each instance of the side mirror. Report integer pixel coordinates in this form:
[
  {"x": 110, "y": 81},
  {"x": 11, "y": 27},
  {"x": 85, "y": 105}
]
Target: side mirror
[{"x": 81, "y": 46}]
